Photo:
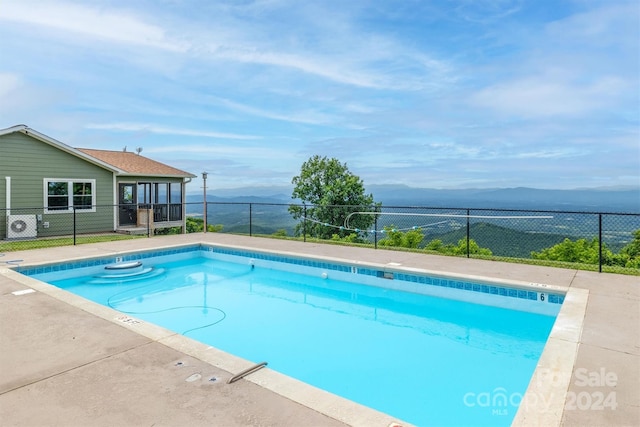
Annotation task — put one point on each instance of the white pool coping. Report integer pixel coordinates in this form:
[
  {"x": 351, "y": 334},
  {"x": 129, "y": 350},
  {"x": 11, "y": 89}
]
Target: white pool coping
[{"x": 542, "y": 404}]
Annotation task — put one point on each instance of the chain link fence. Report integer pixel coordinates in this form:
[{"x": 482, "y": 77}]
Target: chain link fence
[
  {"x": 30, "y": 228},
  {"x": 599, "y": 241},
  {"x": 602, "y": 241}
]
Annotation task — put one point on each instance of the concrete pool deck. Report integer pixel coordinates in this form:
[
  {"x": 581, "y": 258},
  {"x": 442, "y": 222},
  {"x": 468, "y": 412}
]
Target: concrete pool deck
[{"x": 66, "y": 361}]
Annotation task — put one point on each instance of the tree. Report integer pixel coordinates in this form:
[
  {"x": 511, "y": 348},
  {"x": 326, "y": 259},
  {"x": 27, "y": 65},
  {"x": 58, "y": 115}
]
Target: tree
[
  {"x": 196, "y": 225},
  {"x": 460, "y": 249},
  {"x": 580, "y": 251},
  {"x": 629, "y": 255},
  {"x": 588, "y": 252},
  {"x": 474, "y": 248},
  {"x": 633, "y": 248},
  {"x": 280, "y": 232},
  {"x": 395, "y": 238},
  {"x": 333, "y": 193}
]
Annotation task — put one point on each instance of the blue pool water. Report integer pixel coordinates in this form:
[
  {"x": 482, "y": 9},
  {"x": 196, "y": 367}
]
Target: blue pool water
[{"x": 424, "y": 359}]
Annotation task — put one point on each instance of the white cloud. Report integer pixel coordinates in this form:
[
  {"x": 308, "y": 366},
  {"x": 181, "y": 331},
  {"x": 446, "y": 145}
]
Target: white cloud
[
  {"x": 315, "y": 40},
  {"x": 307, "y": 117},
  {"x": 538, "y": 96},
  {"x": 239, "y": 152},
  {"x": 23, "y": 102},
  {"x": 361, "y": 65},
  {"x": 9, "y": 82},
  {"x": 101, "y": 23},
  {"x": 365, "y": 72},
  {"x": 614, "y": 23},
  {"x": 410, "y": 93},
  {"x": 157, "y": 129},
  {"x": 544, "y": 154},
  {"x": 582, "y": 64},
  {"x": 487, "y": 12}
]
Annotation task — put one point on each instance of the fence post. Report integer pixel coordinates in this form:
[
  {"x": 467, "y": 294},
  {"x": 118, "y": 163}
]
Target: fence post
[
  {"x": 375, "y": 233},
  {"x": 204, "y": 217},
  {"x": 250, "y": 219},
  {"x": 74, "y": 226},
  {"x": 304, "y": 223},
  {"x": 204, "y": 188},
  {"x": 468, "y": 233},
  {"x": 149, "y": 221},
  {"x": 600, "y": 243}
]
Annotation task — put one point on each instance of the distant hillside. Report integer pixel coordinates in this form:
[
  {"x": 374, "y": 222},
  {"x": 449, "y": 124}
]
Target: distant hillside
[
  {"x": 502, "y": 241},
  {"x": 192, "y": 198},
  {"x": 625, "y": 199},
  {"x": 245, "y": 214},
  {"x": 605, "y": 200},
  {"x": 282, "y": 193}
]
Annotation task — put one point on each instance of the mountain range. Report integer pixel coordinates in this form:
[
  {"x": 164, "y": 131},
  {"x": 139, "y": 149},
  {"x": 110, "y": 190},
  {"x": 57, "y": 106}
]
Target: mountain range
[{"x": 605, "y": 199}]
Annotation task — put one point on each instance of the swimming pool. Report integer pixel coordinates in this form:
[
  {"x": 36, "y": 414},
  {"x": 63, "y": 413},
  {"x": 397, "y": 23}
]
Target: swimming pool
[{"x": 392, "y": 343}]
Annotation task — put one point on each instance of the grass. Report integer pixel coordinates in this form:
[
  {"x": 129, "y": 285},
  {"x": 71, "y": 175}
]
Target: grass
[{"x": 24, "y": 245}]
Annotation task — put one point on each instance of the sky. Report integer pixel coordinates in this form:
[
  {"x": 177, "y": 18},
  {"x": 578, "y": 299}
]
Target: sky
[{"x": 427, "y": 93}]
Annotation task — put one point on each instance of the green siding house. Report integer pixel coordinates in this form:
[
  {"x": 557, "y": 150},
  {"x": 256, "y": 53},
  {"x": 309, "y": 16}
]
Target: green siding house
[{"x": 48, "y": 188}]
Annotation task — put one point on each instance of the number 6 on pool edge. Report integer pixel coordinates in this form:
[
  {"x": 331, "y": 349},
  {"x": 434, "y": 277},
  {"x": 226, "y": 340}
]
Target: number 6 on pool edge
[{"x": 541, "y": 297}]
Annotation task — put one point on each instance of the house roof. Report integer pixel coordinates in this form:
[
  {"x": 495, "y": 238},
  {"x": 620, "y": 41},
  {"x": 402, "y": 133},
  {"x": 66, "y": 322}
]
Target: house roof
[
  {"x": 119, "y": 162},
  {"x": 134, "y": 164}
]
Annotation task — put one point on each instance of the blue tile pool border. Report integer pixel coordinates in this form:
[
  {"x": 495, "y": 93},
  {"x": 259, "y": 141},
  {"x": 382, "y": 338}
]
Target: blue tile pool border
[
  {"x": 408, "y": 277},
  {"x": 453, "y": 283},
  {"x": 52, "y": 268}
]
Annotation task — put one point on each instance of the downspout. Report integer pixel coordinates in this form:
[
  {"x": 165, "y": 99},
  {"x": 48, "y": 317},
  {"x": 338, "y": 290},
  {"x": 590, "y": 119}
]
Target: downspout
[
  {"x": 185, "y": 181},
  {"x": 8, "y": 195},
  {"x": 115, "y": 202}
]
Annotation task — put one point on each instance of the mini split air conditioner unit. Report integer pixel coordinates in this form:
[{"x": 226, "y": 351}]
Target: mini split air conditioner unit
[{"x": 22, "y": 227}]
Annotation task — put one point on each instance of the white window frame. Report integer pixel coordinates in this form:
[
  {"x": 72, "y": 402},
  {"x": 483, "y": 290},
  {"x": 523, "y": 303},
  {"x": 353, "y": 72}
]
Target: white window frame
[{"x": 70, "y": 182}]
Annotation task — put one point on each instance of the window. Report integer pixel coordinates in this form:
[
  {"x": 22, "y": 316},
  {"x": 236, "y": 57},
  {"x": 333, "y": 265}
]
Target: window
[
  {"x": 176, "y": 192},
  {"x": 161, "y": 192},
  {"x": 63, "y": 195},
  {"x": 164, "y": 197},
  {"x": 144, "y": 193}
]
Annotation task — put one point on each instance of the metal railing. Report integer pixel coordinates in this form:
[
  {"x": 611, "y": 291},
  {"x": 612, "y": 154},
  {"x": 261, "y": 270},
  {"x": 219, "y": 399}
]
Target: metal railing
[
  {"x": 535, "y": 236},
  {"x": 601, "y": 241}
]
